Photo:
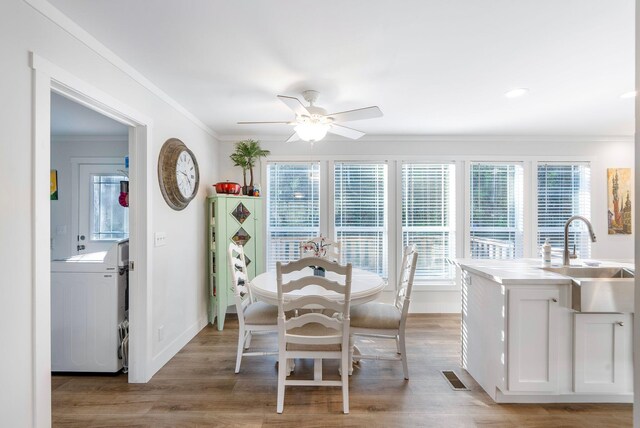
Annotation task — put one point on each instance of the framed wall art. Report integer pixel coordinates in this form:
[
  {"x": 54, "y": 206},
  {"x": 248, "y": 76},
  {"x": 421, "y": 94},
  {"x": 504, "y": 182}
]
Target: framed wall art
[{"x": 619, "y": 205}]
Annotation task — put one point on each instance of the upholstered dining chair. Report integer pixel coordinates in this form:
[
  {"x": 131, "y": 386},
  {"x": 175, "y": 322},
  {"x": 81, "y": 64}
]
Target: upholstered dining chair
[
  {"x": 254, "y": 317},
  {"x": 312, "y": 334},
  {"x": 321, "y": 246},
  {"x": 388, "y": 321}
]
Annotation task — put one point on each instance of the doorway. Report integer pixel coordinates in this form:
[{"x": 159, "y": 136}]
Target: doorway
[
  {"x": 48, "y": 78},
  {"x": 89, "y": 240}
]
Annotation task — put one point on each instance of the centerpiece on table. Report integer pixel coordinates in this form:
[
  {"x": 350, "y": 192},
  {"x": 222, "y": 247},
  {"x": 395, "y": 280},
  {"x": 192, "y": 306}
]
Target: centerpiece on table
[{"x": 319, "y": 249}]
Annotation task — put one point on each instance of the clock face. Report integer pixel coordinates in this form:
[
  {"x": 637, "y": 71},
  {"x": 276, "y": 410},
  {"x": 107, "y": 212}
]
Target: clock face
[{"x": 185, "y": 174}]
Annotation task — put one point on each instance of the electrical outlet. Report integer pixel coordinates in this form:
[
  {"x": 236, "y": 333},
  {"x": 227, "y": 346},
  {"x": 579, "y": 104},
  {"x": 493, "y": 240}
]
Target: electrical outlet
[
  {"x": 160, "y": 239},
  {"x": 160, "y": 333}
]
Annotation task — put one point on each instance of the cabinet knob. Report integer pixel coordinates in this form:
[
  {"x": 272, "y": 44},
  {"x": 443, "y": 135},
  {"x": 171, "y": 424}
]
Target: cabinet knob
[
  {"x": 620, "y": 323},
  {"x": 554, "y": 300}
]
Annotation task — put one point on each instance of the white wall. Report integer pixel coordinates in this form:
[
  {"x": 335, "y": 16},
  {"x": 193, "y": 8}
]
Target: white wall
[
  {"x": 178, "y": 291},
  {"x": 63, "y": 149},
  {"x": 603, "y": 153}
]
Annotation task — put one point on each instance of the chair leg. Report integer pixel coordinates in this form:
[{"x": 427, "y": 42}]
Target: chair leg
[
  {"x": 282, "y": 374},
  {"x": 241, "y": 338},
  {"x": 247, "y": 342},
  {"x": 398, "y": 345},
  {"x": 346, "y": 364},
  {"x": 403, "y": 352}
]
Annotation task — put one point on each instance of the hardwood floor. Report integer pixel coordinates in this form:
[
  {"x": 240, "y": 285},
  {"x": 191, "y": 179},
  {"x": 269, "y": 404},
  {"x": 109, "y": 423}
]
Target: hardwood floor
[{"x": 199, "y": 388}]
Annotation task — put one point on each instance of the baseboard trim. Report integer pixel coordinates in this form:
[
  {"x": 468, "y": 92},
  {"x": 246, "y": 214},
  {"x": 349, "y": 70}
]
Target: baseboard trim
[{"x": 164, "y": 356}]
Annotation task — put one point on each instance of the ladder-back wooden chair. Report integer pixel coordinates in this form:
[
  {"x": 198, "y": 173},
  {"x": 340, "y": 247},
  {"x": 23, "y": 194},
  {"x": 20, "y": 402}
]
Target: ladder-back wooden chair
[
  {"x": 304, "y": 334},
  {"x": 388, "y": 321},
  {"x": 253, "y": 316}
]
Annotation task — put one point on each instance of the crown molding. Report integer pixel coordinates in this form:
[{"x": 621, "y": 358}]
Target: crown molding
[
  {"x": 449, "y": 138},
  {"x": 53, "y": 14}
]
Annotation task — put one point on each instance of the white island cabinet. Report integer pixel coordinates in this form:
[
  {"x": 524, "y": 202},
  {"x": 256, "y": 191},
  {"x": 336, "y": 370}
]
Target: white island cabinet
[{"x": 523, "y": 342}]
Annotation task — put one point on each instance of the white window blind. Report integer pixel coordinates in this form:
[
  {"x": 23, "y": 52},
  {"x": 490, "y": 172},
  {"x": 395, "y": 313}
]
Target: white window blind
[
  {"x": 496, "y": 213},
  {"x": 293, "y": 209},
  {"x": 428, "y": 217},
  {"x": 360, "y": 195},
  {"x": 564, "y": 190}
]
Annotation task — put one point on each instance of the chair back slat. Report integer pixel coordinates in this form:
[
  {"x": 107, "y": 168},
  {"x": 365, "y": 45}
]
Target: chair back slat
[
  {"x": 312, "y": 301},
  {"x": 327, "y": 265},
  {"x": 313, "y": 317},
  {"x": 305, "y": 281}
]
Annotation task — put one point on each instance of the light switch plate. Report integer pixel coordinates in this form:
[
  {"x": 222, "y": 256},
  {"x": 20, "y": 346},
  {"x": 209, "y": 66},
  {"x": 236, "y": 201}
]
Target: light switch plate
[{"x": 160, "y": 239}]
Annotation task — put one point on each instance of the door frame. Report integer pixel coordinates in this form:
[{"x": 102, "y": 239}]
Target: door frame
[{"x": 47, "y": 78}]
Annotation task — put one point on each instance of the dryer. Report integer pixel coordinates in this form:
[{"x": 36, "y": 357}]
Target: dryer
[{"x": 87, "y": 305}]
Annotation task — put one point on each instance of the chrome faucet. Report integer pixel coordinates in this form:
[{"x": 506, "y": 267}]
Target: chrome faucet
[{"x": 566, "y": 255}]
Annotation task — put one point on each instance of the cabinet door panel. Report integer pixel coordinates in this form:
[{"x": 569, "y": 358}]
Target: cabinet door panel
[
  {"x": 532, "y": 343},
  {"x": 602, "y": 352}
]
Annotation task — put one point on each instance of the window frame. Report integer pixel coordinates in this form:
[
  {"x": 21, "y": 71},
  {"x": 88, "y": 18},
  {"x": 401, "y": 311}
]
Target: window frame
[
  {"x": 526, "y": 202},
  {"x": 462, "y": 165},
  {"x": 436, "y": 283},
  {"x": 92, "y": 208},
  {"x": 391, "y": 270},
  {"x": 266, "y": 200},
  {"x": 587, "y": 161}
]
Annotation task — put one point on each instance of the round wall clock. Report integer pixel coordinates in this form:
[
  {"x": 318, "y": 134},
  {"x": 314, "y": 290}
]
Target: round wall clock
[{"x": 178, "y": 174}]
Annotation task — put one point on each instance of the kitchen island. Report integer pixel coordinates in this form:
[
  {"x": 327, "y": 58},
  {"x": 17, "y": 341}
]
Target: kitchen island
[{"x": 530, "y": 335}]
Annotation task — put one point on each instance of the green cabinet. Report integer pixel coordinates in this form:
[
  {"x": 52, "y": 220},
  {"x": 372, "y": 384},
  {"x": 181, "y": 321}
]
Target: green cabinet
[{"x": 232, "y": 219}]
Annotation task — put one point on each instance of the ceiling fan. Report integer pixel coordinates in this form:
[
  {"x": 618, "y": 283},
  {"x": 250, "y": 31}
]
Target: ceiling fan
[{"x": 312, "y": 122}]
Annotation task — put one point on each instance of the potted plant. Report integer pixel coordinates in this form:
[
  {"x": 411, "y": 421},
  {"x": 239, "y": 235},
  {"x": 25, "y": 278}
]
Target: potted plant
[{"x": 247, "y": 153}]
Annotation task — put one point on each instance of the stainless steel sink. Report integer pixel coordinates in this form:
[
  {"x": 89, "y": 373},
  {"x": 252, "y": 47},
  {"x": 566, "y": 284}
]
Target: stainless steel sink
[
  {"x": 591, "y": 272},
  {"x": 599, "y": 289}
]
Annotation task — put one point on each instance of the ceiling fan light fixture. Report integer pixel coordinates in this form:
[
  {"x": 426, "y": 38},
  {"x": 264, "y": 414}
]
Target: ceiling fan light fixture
[
  {"x": 517, "y": 92},
  {"x": 312, "y": 132}
]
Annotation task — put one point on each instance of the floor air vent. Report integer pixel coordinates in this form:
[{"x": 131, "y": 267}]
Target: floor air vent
[{"x": 454, "y": 381}]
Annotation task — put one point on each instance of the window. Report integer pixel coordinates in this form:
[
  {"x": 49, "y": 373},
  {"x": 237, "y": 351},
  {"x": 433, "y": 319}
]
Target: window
[
  {"x": 564, "y": 190},
  {"x": 360, "y": 204},
  {"x": 293, "y": 209},
  {"x": 109, "y": 220},
  {"x": 496, "y": 220},
  {"x": 428, "y": 217}
]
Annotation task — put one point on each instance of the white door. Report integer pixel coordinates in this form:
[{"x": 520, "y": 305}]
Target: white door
[
  {"x": 602, "y": 352},
  {"x": 532, "y": 340},
  {"x": 101, "y": 220}
]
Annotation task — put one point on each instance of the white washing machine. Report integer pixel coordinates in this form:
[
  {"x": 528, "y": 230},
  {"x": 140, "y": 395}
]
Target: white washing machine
[{"x": 87, "y": 305}]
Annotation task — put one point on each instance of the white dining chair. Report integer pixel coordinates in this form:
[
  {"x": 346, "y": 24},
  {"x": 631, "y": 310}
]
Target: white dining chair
[
  {"x": 254, "y": 317},
  {"x": 313, "y": 334},
  {"x": 321, "y": 246},
  {"x": 388, "y": 321}
]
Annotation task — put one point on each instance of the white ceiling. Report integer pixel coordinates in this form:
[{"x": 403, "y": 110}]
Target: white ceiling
[
  {"x": 69, "y": 118},
  {"x": 433, "y": 67}
]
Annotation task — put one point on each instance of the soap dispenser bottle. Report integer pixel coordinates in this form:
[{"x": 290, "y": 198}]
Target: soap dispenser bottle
[{"x": 546, "y": 253}]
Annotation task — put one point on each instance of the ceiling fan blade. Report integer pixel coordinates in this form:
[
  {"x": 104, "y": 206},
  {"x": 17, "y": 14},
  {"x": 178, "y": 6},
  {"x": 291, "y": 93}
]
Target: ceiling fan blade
[
  {"x": 354, "y": 134},
  {"x": 261, "y": 123},
  {"x": 294, "y": 104},
  {"x": 293, "y": 137},
  {"x": 357, "y": 114}
]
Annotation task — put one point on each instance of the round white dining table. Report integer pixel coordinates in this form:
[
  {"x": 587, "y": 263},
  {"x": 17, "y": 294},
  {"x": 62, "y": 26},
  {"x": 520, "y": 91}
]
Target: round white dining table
[{"x": 365, "y": 286}]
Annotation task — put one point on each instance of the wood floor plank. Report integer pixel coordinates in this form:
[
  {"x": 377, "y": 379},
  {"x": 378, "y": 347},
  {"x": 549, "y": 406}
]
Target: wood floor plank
[{"x": 198, "y": 388}]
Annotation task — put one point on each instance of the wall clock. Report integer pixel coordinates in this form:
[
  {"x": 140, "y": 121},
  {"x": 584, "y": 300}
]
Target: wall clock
[{"x": 178, "y": 174}]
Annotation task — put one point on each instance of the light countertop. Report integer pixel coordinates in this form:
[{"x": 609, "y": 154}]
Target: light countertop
[{"x": 525, "y": 271}]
